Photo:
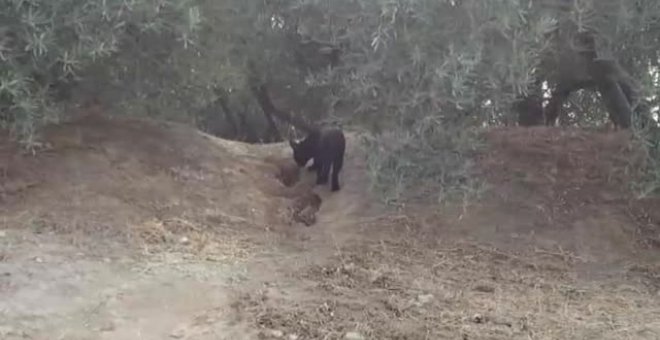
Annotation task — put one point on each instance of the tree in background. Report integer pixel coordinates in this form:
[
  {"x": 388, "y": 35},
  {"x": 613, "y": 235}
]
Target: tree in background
[
  {"x": 48, "y": 47},
  {"x": 422, "y": 76}
]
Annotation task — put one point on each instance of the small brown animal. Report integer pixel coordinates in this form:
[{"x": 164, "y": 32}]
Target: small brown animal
[{"x": 305, "y": 207}]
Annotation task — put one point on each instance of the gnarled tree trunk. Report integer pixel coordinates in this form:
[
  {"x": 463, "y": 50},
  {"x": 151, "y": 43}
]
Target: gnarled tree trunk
[
  {"x": 530, "y": 110},
  {"x": 617, "y": 89},
  {"x": 263, "y": 97}
]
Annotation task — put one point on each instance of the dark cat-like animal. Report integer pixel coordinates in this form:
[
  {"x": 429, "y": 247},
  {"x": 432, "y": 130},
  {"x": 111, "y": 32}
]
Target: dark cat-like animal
[{"x": 326, "y": 146}]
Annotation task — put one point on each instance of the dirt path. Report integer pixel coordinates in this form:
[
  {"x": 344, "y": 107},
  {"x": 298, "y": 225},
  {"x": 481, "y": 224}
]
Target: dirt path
[{"x": 51, "y": 290}]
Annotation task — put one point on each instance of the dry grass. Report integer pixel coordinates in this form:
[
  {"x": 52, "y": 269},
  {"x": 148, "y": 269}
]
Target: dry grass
[
  {"x": 204, "y": 242},
  {"x": 161, "y": 187},
  {"x": 409, "y": 289}
]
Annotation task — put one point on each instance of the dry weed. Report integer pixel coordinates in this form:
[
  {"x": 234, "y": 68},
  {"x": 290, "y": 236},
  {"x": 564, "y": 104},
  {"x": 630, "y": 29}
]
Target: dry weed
[{"x": 407, "y": 288}]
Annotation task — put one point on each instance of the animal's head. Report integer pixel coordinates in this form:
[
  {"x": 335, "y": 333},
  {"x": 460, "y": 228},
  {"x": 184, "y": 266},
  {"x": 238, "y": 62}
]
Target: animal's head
[{"x": 301, "y": 152}]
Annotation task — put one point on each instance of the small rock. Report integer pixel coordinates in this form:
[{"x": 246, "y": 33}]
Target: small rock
[
  {"x": 276, "y": 333},
  {"x": 478, "y": 318},
  {"x": 6, "y": 331},
  {"x": 38, "y": 259},
  {"x": 178, "y": 334},
  {"x": 353, "y": 336},
  {"x": 3, "y": 234},
  {"x": 108, "y": 326},
  {"x": 184, "y": 240},
  {"x": 349, "y": 267},
  {"x": 424, "y": 299},
  {"x": 293, "y": 337},
  {"x": 484, "y": 288}
]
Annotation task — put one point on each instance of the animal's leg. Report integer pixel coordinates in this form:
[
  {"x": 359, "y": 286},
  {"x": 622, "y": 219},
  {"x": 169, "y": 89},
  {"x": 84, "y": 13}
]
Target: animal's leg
[
  {"x": 336, "y": 168},
  {"x": 319, "y": 168},
  {"x": 314, "y": 166},
  {"x": 323, "y": 174}
]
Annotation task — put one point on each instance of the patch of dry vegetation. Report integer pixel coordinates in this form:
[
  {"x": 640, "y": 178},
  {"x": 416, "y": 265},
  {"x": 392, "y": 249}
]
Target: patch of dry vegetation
[
  {"x": 156, "y": 186},
  {"x": 405, "y": 288}
]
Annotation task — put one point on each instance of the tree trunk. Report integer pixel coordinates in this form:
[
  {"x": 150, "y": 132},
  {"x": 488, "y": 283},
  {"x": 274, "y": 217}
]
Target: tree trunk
[
  {"x": 261, "y": 93},
  {"x": 616, "y": 102},
  {"x": 555, "y": 105},
  {"x": 269, "y": 110},
  {"x": 229, "y": 117},
  {"x": 615, "y": 85},
  {"x": 247, "y": 132},
  {"x": 581, "y": 69},
  {"x": 530, "y": 110}
]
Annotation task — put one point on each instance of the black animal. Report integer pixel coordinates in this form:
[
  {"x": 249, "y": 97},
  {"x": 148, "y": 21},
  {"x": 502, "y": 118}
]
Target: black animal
[{"x": 326, "y": 146}]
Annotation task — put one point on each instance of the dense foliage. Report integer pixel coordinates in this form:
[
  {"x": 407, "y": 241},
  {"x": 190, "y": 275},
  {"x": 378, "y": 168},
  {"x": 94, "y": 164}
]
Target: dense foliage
[
  {"x": 48, "y": 46},
  {"x": 421, "y": 75}
]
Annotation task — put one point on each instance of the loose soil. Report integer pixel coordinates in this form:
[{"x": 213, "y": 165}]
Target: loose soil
[{"x": 131, "y": 229}]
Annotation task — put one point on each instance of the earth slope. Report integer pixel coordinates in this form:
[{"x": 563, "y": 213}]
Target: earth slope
[{"x": 130, "y": 229}]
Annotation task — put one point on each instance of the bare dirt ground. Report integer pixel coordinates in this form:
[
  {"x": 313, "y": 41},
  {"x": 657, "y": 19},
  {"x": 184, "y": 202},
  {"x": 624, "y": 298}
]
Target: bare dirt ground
[{"x": 135, "y": 230}]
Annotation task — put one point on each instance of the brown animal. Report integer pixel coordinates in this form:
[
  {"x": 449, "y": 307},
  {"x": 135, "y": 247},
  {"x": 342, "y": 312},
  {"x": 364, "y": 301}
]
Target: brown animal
[{"x": 304, "y": 208}]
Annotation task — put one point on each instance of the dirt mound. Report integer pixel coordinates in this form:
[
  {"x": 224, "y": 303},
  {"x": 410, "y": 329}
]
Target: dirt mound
[
  {"x": 157, "y": 183},
  {"x": 151, "y": 183},
  {"x": 566, "y": 189},
  {"x": 566, "y": 173},
  {"x": 557, "y": 203}
]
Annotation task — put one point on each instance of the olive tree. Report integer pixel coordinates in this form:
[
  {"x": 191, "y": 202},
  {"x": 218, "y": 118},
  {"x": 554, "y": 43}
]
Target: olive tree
[{"x": 49, "y": 46}]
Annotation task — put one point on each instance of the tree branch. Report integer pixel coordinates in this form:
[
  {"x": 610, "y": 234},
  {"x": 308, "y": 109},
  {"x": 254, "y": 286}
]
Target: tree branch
[{"x": 261, "y": 93}]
